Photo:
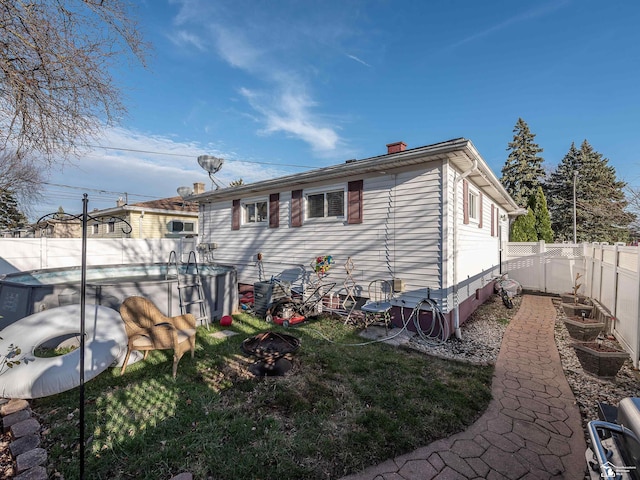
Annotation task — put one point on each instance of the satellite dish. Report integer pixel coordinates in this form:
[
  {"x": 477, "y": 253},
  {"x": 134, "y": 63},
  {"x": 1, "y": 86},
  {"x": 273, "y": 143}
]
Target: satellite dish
[
  {"x": 184, "y": 192},
  {"x": 210, "y": 163}
]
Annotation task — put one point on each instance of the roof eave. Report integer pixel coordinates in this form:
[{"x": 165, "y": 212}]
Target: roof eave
[
  {"x": 380, "y": 164},
  {"x": 131, "y": 208}
]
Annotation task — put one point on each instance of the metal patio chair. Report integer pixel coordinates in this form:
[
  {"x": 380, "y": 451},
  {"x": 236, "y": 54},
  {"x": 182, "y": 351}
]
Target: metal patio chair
[{"x": 377, "y": 309}]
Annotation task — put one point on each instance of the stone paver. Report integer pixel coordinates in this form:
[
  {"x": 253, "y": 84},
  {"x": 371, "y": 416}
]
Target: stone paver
[{"x": 532, "y": 428}]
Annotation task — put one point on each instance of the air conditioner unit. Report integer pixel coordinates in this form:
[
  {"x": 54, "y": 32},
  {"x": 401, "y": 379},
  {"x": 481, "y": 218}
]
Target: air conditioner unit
[{"x": 207, "y": 247}]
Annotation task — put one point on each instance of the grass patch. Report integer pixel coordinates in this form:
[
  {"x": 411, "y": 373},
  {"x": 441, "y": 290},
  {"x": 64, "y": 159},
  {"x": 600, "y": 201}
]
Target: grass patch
[{"x": 339, "y": 410}]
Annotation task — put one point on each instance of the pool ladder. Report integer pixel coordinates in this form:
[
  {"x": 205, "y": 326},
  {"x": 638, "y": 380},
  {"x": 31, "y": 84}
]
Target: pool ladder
[{"x": 189, "y": 282}]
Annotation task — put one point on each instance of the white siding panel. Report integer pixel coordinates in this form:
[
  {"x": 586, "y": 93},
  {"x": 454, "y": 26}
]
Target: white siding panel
[
  {"x": 475, "y": 252},
  {"x": 400, "y": 236}
]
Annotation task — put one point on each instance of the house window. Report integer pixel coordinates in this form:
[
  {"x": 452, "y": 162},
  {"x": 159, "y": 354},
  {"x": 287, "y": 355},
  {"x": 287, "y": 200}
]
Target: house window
[
  {"x": 254, "y": 212},
  {"x": 111, "y": 227},
  {"x": 95, "y": 229},
  {"x": 325, "y": 204},
  {"x": 473, "y": 206}
]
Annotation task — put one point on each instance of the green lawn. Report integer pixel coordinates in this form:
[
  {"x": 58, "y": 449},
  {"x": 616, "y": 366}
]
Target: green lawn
[{"x": 339, "y": 410}]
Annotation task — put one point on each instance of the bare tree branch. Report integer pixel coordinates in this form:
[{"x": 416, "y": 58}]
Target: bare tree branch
[
  {"x": 55, "y": 57},
  {"x": 22, "y": 177}
]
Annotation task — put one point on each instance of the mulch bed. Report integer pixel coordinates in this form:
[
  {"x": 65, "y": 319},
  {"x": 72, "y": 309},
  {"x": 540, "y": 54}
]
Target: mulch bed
[{"x": 7, "y": 467}]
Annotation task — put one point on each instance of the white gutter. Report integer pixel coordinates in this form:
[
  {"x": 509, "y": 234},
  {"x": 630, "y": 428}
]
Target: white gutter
[{"x": 456, "y": 308}]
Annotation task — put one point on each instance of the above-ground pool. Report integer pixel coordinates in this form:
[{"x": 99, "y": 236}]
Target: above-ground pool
[{"x": 25, "y": 293}]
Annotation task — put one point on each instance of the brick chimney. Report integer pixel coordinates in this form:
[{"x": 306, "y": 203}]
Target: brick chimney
[
  {"x": 396, "y": 147},
  {"x": 198, "y": 187}
]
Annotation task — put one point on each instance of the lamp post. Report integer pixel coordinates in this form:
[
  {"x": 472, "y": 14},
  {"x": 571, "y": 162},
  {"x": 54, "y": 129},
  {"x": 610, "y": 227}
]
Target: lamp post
[{"x": 575, "y": 178}]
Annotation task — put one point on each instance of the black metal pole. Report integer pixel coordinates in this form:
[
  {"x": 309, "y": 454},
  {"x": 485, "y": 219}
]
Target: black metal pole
[
  {"x": 83, "y": 291},
  {"x": 83, "y": 294}
]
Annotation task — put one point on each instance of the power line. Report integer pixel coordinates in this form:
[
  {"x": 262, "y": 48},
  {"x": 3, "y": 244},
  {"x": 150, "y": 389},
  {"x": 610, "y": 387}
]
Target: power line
[
  {"x": 97, "y": 190},
  {"x": 135, "y": 150}
]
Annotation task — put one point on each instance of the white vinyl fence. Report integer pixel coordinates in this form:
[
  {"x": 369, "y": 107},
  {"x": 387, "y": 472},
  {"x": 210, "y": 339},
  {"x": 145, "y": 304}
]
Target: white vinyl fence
[
  {"x": 610, "y": 275},
  {"x": 22, "y": 254}
]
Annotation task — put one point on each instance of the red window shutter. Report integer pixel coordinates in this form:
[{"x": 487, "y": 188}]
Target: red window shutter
[
  {"x": 296, "y": 208},
  {"x": 354, "y": 201},
  {"x": 274, "y": 210},
  {"x": 465, "y": 201},
  {"x": 480, "y": 210},
  {"x": 235, "y": 215}
]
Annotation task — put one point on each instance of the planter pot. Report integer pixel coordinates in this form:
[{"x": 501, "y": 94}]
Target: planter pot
[
  {"x": 584, "y": 330},
  {"x": 577, "y": 310},
  {"x": 603, "y": 363}
]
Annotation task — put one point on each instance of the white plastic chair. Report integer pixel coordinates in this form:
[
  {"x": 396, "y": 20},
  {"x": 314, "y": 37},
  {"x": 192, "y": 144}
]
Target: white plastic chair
[{"x": 378, "y": 307}]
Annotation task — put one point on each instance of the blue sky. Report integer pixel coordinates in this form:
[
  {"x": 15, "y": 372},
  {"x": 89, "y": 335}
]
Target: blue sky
[{"x": 277, "y": 87}]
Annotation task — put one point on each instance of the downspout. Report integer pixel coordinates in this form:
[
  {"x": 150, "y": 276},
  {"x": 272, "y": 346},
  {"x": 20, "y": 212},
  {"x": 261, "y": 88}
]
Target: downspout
[
  {"x": 140, "y": 220},
  {"x": 456, "y": 309}
]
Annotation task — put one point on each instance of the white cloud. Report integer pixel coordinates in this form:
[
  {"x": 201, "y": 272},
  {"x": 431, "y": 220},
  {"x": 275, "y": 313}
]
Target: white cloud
[
  {"x": 144, "y": 167},
  {"x": 267, "y": 49},
  {"x": 186, "y": 39},
  {"x": 353, "y": 57},
  {"x": 538, "y": 11},
  {"x": 235, "y": 49},
  {"x": 289, "y": 112}
]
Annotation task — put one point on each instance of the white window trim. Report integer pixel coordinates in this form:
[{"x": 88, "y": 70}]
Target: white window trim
[
  {"x": 325, "y": 190},
  {"x": 243, "y": 212},
  {"x": 474, "y": 207}
]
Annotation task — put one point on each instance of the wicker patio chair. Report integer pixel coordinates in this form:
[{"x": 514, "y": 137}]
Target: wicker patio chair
[{"x": 148, "y": 329}]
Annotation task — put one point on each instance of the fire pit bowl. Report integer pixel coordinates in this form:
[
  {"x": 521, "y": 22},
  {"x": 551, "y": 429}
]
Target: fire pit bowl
[
  {"x": 270, "y": 344},
  {"x": 273, "y": 351}
]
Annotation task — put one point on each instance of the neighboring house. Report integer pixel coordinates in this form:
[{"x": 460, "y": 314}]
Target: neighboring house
[
  {"x": 21, "y": 232},
  {"x": 433, "y": 217},
  {"x": 168, "y": 217},
  {"x": 55, "y": 228},
  {"x": 165, "y": 218}
]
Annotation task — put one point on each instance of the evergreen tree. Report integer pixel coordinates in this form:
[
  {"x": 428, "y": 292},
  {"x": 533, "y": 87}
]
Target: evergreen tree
[
  {"x": 600, "y": 200},
  {"x": 10, "y": 214},
  {"x": 522, "y": 172},
  {"x": 523, "y": 229},
  {"x": 560, "y": 194},
  {"x": 538, "y": 203}
]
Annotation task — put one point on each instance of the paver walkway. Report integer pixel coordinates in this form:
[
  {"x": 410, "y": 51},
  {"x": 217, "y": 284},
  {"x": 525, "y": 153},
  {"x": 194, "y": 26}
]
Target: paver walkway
[{"x": 532, "y": 427}]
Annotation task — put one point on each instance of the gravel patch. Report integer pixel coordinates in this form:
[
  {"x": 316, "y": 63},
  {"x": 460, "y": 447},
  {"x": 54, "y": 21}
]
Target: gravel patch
[
  {"x": 480, "y": 344},
  {"x": 481, "y": 334},
  {"x": 588, "y": 389}
]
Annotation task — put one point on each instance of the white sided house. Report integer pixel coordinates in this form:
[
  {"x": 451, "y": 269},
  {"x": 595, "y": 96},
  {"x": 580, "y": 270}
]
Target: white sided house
[{"x": 432, "y": 218}]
